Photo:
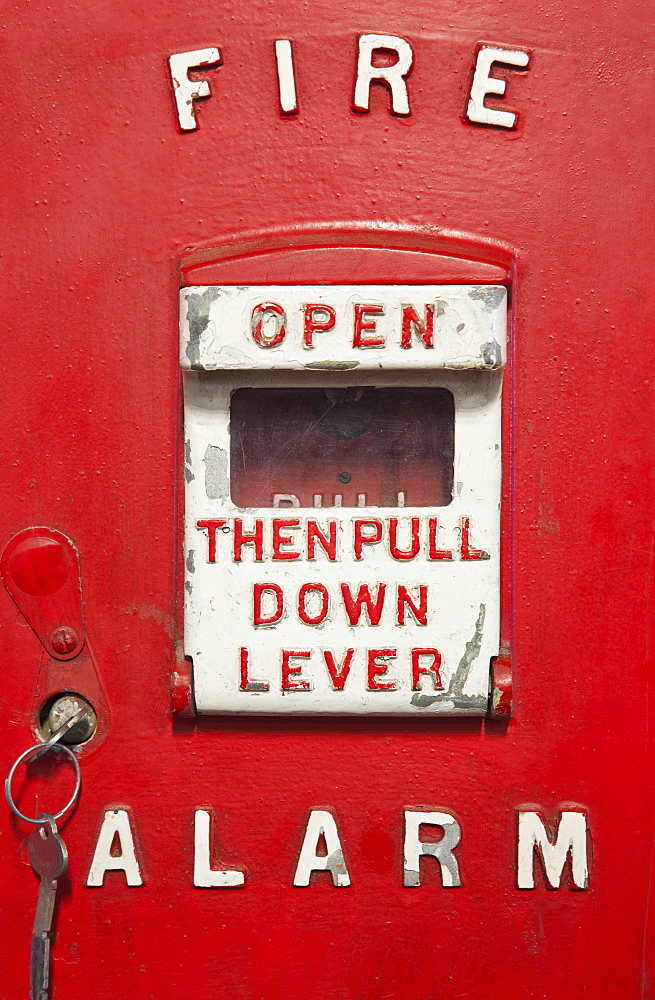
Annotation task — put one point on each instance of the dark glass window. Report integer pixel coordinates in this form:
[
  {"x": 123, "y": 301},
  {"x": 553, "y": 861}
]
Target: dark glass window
[{"x": 360, "y": 446}]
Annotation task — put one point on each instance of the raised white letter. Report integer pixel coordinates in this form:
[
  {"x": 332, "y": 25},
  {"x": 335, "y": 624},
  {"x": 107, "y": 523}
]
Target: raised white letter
[
  {"x": 115, "y": 824},
  {"x": 321, "y": 823},
  {"x": 391, "y": 75},
  {"x": 285, "y": 76},
  {"x": 484, "y": 84},
  {"x": 204, "y": 875},
  {"x": 442, "y": 850},
  {"x": 571, "y": 836},
  {"x": 187, "y": 91}
]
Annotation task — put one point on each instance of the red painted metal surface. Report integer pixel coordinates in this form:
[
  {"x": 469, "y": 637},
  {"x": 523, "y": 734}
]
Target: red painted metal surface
[
  {"x": 109, "y": 207},
  {"x": 41, "y": 570}
]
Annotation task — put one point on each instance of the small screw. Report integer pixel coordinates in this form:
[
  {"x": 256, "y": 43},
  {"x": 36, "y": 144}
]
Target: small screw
[
  {"x": 344, "y": 477},
  {"x": 64, "y": 640}
]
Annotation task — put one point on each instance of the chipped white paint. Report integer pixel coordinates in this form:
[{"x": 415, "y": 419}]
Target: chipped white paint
[
  {"x": 286, "y": 76},
  {"x": 254, "y": 327},
  {"x": 187, "y": 91},
  {"x": 484, "y": 84},
  {"x": 393, "y": 76},
  {"x": 115, "y": 826},
  {"x": 415, "y": 848},
  {"x": 204, "y": 876},
  {"x": 321, "y": 824},
  {"x": 571, "y": 838},
  {"x": 239, "y": 664}
]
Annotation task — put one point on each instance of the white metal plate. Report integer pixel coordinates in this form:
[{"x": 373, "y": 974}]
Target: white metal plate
[
  {"x": 243, "y": 667},
  {"x": 468, "y": 327}
]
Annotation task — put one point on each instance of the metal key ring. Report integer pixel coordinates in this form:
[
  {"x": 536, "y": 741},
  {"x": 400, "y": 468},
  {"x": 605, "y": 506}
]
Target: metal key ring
[{"x": 78, "y": 784}]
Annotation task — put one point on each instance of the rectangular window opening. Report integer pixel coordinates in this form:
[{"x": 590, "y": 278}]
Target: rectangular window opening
[{"x": 355, "y": 447}]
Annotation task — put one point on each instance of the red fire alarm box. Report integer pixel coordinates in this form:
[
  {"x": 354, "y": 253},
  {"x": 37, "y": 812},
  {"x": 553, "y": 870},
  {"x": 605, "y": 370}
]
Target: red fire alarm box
[{"x": 327, "y": 506}]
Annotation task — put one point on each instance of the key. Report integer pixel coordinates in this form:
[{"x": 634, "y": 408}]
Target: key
[
  {"x": 56, "y": 736},
  {"x": 49, "y": 859}
]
